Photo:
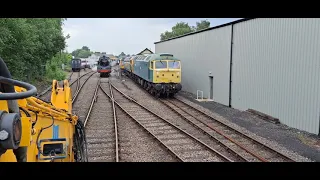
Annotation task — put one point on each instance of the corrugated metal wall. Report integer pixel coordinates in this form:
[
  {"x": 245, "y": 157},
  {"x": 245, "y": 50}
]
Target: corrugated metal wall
[
  {"x": 201, "y": 53},
  {"x": 276, "y": 69}
]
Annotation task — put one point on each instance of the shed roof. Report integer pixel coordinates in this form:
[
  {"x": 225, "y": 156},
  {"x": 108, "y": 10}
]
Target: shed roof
[{"x": 145, "y": 50}]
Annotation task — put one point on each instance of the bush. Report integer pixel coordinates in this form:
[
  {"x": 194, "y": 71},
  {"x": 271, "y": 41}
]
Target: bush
[
  {"x": 31, "y": 47},
  {"x": 54, "y": 67}
]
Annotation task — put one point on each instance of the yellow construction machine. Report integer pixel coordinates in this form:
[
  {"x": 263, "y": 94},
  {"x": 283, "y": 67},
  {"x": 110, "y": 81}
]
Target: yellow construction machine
[{"x": 32, "y": 130}]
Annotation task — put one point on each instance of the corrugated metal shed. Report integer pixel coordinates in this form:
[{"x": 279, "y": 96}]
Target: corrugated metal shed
[
  {"x": 275, "y": 67},
  {"x": 276, "y": 70},
  {"x": 200, "y": 54}
]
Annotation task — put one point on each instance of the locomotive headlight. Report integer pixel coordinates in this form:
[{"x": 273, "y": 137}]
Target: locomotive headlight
[
  {"x": 178, "y": 73},
  {"x": 157, "y": 73},
  {"x": 10, "y": 130}
]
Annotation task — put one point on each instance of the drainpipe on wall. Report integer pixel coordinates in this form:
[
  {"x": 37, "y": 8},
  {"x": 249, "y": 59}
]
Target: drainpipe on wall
[
  {"x": 319, "y": 126},
  {"x": 230, "y": 77}
]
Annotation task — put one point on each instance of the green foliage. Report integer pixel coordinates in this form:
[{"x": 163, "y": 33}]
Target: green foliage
[
  {"x": 84, "y": 52},
  {"x": 54, "y": 67},
  {"x": 204, "y": 24},
  {"x": 182, "y": 28},
  {"x": 85, "y": 48},
  {"x": 28, "y": 45}
]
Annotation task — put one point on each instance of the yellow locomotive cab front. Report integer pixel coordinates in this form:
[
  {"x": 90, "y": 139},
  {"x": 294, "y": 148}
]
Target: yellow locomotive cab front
[{"x": 167, "y": 71}]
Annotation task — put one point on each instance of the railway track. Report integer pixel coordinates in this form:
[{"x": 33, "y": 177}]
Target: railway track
[
  {"x": 45, "y": 95},
  {"x": 180, "y": 143},
  {"x": 247, "y": 148},
  {"x": 233, "y": 138},
  {"x": 138, "y": 144},
  {"x": 77, "y": 86},
  {"x": 102, "y": 122},
  {"x": 101, "y": 129},
  {"x": 202, "y": 138}
]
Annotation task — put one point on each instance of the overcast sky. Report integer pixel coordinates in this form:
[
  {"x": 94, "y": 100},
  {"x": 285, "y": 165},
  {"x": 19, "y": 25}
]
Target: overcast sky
[{"x": 128, "y": 35}]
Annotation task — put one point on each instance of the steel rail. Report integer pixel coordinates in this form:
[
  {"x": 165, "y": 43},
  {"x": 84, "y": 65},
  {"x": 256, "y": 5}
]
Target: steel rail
[
  {"x": 78, "y": 91},
  {"x": 143, "y": 127},
  {"x": 115, "y": 124},
  {"x": 176, "y": 127},
  {"x": 239, "y": 132}
]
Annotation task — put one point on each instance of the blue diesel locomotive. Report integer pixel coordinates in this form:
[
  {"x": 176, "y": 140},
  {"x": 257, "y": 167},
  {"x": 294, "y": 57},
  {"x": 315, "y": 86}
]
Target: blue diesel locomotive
[{"x": 159, "y": 74}]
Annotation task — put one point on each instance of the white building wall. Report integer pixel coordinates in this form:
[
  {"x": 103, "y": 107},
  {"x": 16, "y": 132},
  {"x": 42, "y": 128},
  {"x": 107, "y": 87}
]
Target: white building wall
[
  {"x": 200, "y": 54},
  {"x": 276, "y": 69}
]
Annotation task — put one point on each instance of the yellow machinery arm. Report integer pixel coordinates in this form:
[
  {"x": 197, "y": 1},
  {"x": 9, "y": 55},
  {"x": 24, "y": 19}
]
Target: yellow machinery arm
[{"x": 32, "y": 130}]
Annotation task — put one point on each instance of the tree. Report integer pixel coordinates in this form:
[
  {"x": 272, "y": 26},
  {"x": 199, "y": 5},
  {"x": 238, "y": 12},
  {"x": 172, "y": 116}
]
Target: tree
[
  {"x": 85, "y": 48},
  {"x": 182, "y": 28},
  {"x": 27, "y": 45},
  {"x": 204, "y": 24},
  {"x": 179, "y": 29},
  {"x": 84, "y": 52}
]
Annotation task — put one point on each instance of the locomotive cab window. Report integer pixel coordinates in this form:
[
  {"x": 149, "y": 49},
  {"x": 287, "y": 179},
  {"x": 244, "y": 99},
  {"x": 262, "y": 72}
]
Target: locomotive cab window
[
  {"x": 161, "y": 64},
  {"x": 174, "y": 64}
]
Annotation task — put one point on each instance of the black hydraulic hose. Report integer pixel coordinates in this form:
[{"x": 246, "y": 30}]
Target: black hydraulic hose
[
  {"x": 83, "y": 141},
  {"x": 25, "y": 112},
  {"x": 80, "y": 143}
]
